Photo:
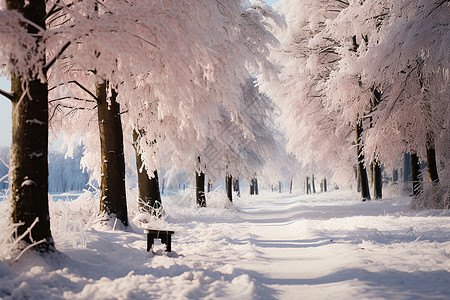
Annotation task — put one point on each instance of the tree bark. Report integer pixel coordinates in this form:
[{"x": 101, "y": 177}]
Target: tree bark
[
  {"x": 200, "y": 189},
  {"x": 313, "y": 184},
  {"x": 209, "y": 186},
  {"x": 149, "y": 195},
  {"x": 113, "y": 197},
  {"x": 415, "y": 174},
  {"x": 254, "y": 186},
  {"x": 364, "y": 183},
  {"x": 290, "y": 187},
  {"x": 236, "y": 187},
  {"x": 395, "y": 176},
  {"x": 377, "y": 180},
  {"x": 229, "y": 187},
  {"x": 29, "y": 148},
  {"x": 324, "y": 184},
  {"x": 307, "y": 185},
  {"x": 432, "y": 166},
  {"x": 279, "y": 187},
  {"x": 407, "y": 171}
]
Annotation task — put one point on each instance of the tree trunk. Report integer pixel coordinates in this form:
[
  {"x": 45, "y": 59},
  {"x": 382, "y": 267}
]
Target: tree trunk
[
  {"x": 29, "y": 148},
  {"x": 279, "y": 186},
  {"x": 113, "y": 198},
  {"x": 364, "y": 183},
  {"x": 307, "y": 185},
  {"x": 407, "y": 171},
  {"x": 324, "y": 184},
  {"x": 200, "y": 189},
  {"x": 313, "y": 184},
  {"x": 149, "y": 195},
  {"x": 209, "y": 186},
  {"x": 229, "y": 184},
  {"x": 377, "y": 180},
  {"x": 358, "y": 182},
  {"x": 415, "y": 174},
  {"x": 236, "y": 187},
  {"x": 254, "y": 186},
  {"x": 395, "y": 176},
  {"x": 290, "y": 187},
  {"x": 432, "y": 166},
  {"x": 376, "y": 165}
]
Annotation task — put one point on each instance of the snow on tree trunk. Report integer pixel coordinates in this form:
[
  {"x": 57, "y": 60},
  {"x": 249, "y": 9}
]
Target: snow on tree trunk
[
  {"x": 364, "y": 183},
  {"x": 113, "y": 195},
  {"x": 29, "y": 148},
  {"x": 149, "y": 195}
]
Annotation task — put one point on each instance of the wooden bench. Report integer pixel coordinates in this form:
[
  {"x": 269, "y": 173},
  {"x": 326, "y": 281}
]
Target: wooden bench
[{"x": 164, "y": 235}]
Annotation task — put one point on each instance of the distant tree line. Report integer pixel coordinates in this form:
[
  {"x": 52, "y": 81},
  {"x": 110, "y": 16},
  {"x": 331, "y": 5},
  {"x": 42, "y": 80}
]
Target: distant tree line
[{"x": 64, "y": 173}]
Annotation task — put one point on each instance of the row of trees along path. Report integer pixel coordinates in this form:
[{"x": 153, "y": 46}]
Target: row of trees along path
[{"x": 160, "y": 72}]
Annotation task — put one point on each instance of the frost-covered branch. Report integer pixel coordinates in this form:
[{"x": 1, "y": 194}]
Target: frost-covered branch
[
  {"x": 70, "y": 97},
  {"x": 79, "y": 85},
  {"x": 55, "y": 57}
]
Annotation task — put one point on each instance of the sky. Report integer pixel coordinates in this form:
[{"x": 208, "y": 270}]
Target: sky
[{"x": 5, "y": 108}]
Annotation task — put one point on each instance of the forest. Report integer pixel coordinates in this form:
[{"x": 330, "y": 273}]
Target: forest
[{"x": 298, "y": 96}]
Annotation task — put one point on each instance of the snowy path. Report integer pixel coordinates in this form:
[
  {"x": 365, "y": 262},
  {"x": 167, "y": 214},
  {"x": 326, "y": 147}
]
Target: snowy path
[
  {"x": 273, "y": 246},
  {"x": 346, "y": 249}
]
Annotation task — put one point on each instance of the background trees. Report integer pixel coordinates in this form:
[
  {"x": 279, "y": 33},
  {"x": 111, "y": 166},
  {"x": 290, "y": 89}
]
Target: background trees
[{"x": 373, "y": 65}]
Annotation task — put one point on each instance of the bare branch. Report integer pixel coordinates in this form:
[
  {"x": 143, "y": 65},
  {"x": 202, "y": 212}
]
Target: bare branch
[
  {"x": 57, "y": 55},
  {"x": 10, "y": 96},
  {"x": 79, "y": 85},
  {"x": 74, "y": 98},
  {"x": 439, "y": 4},
  {"x": 142, "y": 39},
  {"x": 6, "y": 165}
]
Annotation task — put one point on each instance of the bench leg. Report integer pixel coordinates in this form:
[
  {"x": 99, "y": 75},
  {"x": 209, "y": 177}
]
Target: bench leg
[
  {"x": 169, "y": 243},
  {"x": 149, "y": 242},
  {"x": 167, "y": 239}
]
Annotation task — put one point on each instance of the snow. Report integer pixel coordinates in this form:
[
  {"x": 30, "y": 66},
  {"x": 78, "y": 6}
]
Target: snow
[
  {"x": 28, "y": 182},
  {"x": 270, "y": 246}
]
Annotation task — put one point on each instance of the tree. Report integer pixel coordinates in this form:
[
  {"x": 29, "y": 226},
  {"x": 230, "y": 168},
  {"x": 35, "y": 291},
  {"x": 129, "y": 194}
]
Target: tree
[
  {"x": 148, "y": 186},
  {"x": 411, "y": 63},
  {"x": 200, "y": 189},
  {"x": 113, "y": 194},
  {"x": 317, "y": 135},
  {"x": 254, "y": 186},
  {"x": 23, "y": 48},
  {"x": 363, "y": 180},
  {"x": 229, "y": 187}
]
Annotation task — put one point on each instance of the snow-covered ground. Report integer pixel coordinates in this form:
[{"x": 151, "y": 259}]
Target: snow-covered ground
[{"x": 271, "y": 246}]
